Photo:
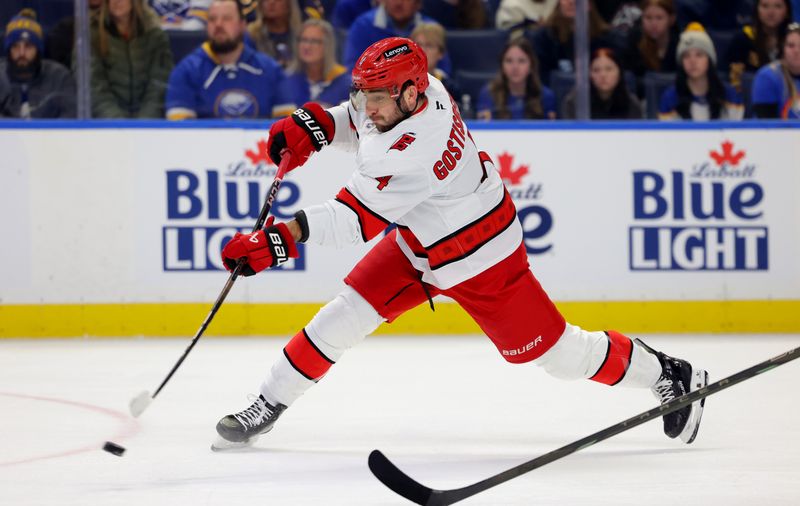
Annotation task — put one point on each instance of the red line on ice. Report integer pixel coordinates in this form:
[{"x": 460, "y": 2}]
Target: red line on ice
[{"x": 128, "y": 429}]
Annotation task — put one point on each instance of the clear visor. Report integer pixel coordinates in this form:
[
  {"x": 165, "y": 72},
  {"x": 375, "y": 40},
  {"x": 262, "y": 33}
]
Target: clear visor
[{"x": 360, "y": 99}]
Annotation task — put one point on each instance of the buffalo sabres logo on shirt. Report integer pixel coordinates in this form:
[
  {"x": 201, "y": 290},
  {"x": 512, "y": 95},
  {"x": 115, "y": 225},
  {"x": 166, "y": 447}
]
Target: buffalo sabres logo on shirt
[
  {"x": 166, "y": 8},
  {"x": 236, "y": 103}
]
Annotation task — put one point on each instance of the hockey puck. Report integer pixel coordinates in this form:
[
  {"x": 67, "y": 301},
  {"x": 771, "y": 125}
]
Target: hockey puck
[{"x": 113, "y": 448}]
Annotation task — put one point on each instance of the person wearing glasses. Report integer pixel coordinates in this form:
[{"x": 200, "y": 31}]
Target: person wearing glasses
[{"x": 315, "y": 75}]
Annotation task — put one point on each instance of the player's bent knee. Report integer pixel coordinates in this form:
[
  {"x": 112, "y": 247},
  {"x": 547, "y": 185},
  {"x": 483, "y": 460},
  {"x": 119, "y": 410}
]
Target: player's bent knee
[{"x": 343, "y": 323}]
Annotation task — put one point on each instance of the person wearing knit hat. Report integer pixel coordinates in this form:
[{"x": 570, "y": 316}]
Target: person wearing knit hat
[
  {"x": 695, "y": 37},
  {"x": 24, "y": 26},
  {"x": 698, "y": 92},
  {"x": 39, "y": 88}
]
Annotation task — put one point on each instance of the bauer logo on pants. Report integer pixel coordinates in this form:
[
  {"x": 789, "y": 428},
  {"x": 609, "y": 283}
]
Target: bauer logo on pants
[
  {"x": 205, "y": 208},
  {"x": 707, "y": 218}
]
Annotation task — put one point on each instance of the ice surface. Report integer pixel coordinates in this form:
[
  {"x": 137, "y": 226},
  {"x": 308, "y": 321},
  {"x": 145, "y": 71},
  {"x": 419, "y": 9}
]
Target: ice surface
[{"x": 448, "y": 410}]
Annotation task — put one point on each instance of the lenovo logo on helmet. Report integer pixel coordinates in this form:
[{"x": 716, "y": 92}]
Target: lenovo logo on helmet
[{"x": 391, "y": 53}]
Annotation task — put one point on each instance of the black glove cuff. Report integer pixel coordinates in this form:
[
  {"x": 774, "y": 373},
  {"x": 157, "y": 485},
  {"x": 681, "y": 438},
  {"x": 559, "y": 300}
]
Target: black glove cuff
[
  {"x": 302, "y": 221},
  {"x": 277, "y": 245},
  {"x": 306, "y": 120}
]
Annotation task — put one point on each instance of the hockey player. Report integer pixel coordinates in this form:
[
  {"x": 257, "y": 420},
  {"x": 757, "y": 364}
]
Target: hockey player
[{"x": 457, "y": 234}]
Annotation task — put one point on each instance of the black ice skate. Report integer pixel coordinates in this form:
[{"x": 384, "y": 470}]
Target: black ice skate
[
  {"x": 242, "y": 429},
  {"x": 678, "y": 378}
]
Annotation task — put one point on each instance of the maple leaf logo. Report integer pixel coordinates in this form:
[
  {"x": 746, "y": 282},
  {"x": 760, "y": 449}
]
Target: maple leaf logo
[
  {"x": 727, "y": 155},
  {"x": 260, "y": 155},
  {"x": 508, "y": 174}
]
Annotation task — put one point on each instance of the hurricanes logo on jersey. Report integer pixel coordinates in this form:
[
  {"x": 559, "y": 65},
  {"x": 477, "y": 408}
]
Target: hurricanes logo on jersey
[{"x": 403, "y": 142}]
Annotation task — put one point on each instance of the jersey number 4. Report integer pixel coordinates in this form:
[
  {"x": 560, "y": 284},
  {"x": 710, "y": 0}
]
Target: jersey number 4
[{"x": 383, "y": 182}]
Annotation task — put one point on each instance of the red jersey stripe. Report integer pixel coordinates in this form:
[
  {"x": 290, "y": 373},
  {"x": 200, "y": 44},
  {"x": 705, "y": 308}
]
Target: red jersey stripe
[
  {"x": 466, "y": 240},
  {"x": 306, "y": 358},
  {"x": 617, "y": 361},
  {"x": 371, "y": 223}
]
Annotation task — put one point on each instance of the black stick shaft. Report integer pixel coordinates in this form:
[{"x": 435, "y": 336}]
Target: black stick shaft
[
  {"x": 391, "y": 476},
  {"x": 625, "y": 425},
  {"x": 262, "y": 219}
]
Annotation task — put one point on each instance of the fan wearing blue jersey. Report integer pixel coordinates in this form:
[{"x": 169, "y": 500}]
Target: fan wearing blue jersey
[
  {"x": 315, "y": 75},
  {"x": 776, "y": 86},
  {"x": 391, "y": 18},
  {"x": 224, "y": 78}
]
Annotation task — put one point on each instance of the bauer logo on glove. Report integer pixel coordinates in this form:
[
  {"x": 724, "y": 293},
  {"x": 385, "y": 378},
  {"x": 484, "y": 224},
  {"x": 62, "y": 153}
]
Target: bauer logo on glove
[
  {"x": 270, "y": 247},
  {"x": 306, "y": 131}
]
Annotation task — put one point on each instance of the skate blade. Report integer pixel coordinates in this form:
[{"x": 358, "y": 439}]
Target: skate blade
[
  {"x": 223, "y": 445},
  {"x": 699, "y": 380}
]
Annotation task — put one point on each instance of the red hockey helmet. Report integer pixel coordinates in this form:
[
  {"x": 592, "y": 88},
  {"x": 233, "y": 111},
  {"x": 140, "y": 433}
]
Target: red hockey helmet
[{"x": 390, "y": 63}]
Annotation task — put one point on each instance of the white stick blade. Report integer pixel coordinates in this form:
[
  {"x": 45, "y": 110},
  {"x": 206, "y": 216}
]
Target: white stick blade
[{"x": 139, "y": 403}]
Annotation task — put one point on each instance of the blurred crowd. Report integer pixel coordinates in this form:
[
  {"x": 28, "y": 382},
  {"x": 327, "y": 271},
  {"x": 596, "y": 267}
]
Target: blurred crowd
[{"x": 500, "y": 59}]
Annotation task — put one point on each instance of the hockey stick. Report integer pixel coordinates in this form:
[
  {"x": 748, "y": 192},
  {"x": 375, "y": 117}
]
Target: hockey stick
[
  {"x": 139, "y": 403},
  {"x": 391, "y": 476}
]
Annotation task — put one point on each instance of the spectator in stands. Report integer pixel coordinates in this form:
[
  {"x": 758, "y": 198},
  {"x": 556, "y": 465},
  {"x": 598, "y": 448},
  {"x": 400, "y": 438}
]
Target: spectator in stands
[
  {"x": 346, "y": 11},
  {"x": 515, "y": 15},
  {"x": 554, "y": 41},
  {"x": 621, "y": 15},
  {"x": 5, "y": 92},
  {"x": 516, "y": 92},
  {"x": 181, "y": 14},
  {"x": 315, "y": 74},
  {"x": 610, "y": 98},
  {"x": 457, "y": 14},
  {"x": 715, "y": 14},
  {"x": 35, "y": 87},
  {"x": 394, "y": 18},
  {"x": 224, "y": 78},
  {"x": 315, "y": 9},
  {"x": 275, "y": 31},
  {"x": 59, "y": 42},
  {"x": 431, "y": 38},
  {"x": 698, "y": 92},
  {"x": 131, "y": 61},
  {"x": 759, "y": 44},
  {"x": 776, "y": 88},
  {"x": 652, "y": 46}
]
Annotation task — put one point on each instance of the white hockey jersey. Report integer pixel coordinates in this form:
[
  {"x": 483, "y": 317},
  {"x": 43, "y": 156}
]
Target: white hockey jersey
[{"x": 454, "y": 217}]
